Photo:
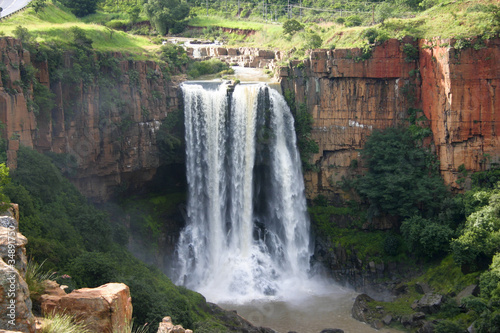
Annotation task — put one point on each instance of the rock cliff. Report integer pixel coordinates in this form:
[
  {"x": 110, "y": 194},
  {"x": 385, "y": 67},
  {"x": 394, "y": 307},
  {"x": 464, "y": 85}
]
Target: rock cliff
[
  {"x": 107, "y": 127},
  {"x": 349, "y": 97},
  {"x": 111, "y": 129}
]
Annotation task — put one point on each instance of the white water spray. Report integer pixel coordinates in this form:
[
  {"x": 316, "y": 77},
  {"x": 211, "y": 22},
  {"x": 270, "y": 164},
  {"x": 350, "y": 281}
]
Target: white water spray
[{"x": 247, "y": 235}]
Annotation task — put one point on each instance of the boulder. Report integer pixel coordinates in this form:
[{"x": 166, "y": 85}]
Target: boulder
[
  {"x": 387, "y": 319},
  {"x": 422, "y": 288},
  {"x": 166, "y": 326},
  {"x": 413, "y": 320},
  {"x": 362, "y": 312},
  {"x": 107, "y": 308},
  {"x": 15, "y": 302},
  {"x": 472, "y": 290},
  {"x": 430, "y": 303},
  {"x": 427, "y": 327},
  {"x": 332, "y": 330}
]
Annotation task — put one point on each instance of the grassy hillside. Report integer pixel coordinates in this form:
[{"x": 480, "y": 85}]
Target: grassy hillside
[{"x": 52, "y": 25}]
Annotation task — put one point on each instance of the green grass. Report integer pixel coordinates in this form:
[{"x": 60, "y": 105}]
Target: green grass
[
  {"x": 52, "y": 25},
  {"x": 62, "y": 323},
  {"x": 449, "y": 19},
  {"x": 210, "y": 21}
]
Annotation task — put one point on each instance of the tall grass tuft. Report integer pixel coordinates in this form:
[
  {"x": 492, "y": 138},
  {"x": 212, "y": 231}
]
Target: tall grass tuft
[
  {"x": 63, "y": 323},
  {"x": 35, "y": 275}
]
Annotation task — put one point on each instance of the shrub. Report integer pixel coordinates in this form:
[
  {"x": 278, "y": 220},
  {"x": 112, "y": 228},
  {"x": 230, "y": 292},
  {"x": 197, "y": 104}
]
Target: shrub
[
  {"x": 212, "y": 66},
  {"x": 340, "y": 20},
  {"x": 411, "y": 52},
  {"x": 447, "y": 326},
  {"x": 314, "y": 41},
  {"x": 290, "y": 27},
  {"x": 480, "y": 239},
  {"x": 370, "y": 34},
  {"x": 402, "y": 178},
  {"x": 353, "y": 21},
  {"x": 117, "y": 24},
  {"x": 426, "y": 236},
  {"x": 81, "y": 8}
]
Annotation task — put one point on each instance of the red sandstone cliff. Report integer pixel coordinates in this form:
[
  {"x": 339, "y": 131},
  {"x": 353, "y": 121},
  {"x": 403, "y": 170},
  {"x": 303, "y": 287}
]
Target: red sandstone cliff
[
  {"x": 457, "y": 89},
  {"x": 113, "y": 146},
  {"x": 458, "y": 92}
]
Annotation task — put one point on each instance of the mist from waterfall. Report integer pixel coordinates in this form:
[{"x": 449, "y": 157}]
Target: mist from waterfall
[{"x": 247, "y": 235}]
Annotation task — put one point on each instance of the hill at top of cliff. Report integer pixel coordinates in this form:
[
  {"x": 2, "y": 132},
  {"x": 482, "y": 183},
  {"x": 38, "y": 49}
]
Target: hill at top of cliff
[{"x": 116, "y": 27}]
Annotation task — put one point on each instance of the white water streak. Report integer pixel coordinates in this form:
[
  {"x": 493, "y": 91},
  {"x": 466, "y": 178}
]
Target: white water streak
[{"x": 248, "y": 231}]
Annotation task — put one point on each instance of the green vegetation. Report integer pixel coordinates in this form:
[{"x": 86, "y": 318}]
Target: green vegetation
[
  {"x": 165, "y": 14},
  {"x": 35, "y": 276},
  {"x": 206, "y": 67},
  {"x": 81, "y": 7},
  {"x": 86, "y": 248},
  {"x": 4, "y": 181},
  {"x": 402, "y": 178},
  {"x": 303, "y": 127},
  {"x": 63, "y": 324}
]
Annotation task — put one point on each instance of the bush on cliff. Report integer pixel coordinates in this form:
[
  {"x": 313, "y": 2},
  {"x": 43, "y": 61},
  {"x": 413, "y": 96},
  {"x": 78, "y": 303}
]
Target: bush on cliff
[{"x": 402, "y": 177}]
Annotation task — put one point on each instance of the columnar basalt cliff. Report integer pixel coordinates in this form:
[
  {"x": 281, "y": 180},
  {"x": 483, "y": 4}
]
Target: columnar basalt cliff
[
  {"x": 110, "y": 129},
  {"x": 350, "y": 97}
]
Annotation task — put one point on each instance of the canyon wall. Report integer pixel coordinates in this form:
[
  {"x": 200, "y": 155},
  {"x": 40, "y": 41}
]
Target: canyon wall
[
  {"x": 108, "y": 131},
  {"x": 349, "y": 97},
  {"x": 113, "y": 140}
]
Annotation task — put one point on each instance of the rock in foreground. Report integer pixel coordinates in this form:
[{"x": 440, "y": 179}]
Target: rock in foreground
[{"x": 107, "y": 308}]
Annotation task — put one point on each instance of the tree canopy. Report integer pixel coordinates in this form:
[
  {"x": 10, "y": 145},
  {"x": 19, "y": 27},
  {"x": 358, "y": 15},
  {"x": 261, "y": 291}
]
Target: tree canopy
[
  {"x": 402, "y": 178},
  {"x": 81, "y": 8},
  {"x": 164, "y": 14}
]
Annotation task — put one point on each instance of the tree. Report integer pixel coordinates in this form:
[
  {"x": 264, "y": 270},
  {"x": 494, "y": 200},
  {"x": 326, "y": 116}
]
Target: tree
[
  {"x": 133, "y": 13},
  {"x": 290, "y": 27},
  {"x": 81, "y": 8},
  {"x": 165, "y": 13},
  {"x": 402, "y": 178},
  {"x": 480, "y": 239},
  {"x": 38, "y": 5},
  {"x": 314, "y": 41}
]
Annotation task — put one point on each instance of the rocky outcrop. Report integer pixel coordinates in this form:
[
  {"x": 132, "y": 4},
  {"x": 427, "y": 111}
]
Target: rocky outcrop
[
  {"x": 166, "y": 326},
  {"x": 107, "y": 308},
  {"x": 460, "y": 89},
  {"x": 347, "y": 267},
  {"x": 429, "y": 303},
  {"x": 362, "y": 311},
  {"x": 15, "y": 303},
  {"x": 106, "y": 127},
  {"x": 243, "y": 56}
]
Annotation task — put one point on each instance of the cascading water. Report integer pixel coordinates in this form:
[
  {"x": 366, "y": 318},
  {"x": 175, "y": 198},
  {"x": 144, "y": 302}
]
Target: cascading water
[{"x": 247, "y": 235}]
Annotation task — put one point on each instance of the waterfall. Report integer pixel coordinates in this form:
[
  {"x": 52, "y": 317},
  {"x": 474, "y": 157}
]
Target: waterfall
[{"x": 247, "y": 235}]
